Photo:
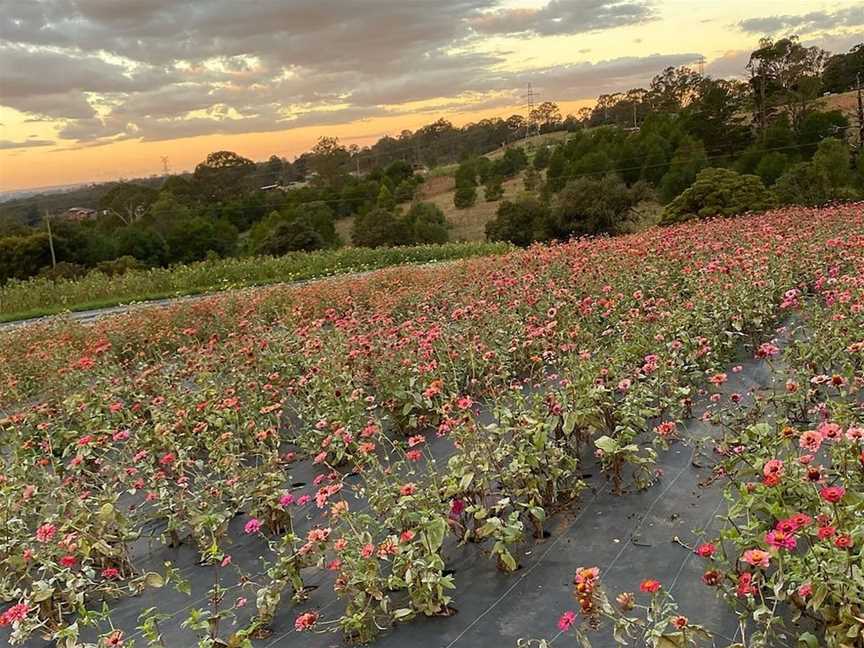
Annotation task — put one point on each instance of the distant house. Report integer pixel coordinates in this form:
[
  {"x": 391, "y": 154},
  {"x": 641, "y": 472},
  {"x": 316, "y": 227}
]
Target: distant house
[
  {"x": 420, "y": 168},
  {"x": 80, "y": 214}
]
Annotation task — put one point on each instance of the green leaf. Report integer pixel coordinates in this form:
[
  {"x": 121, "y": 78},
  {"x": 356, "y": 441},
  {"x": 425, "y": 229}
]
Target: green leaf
[
  {"x": 403, "y": 614},
  {"x": 607, "y": 444},
  {"x": 152, "y": 579},
  {"x": 808, "y": 638}
]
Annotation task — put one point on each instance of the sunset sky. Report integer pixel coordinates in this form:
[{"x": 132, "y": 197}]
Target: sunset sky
[{"x": 93, "y": 90}]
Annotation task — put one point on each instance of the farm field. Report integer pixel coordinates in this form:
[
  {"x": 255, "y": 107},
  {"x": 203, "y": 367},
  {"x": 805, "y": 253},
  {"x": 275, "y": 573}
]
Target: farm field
[
  {"x": 656, "y": 436},
  {"x": 40, "y": 296}
]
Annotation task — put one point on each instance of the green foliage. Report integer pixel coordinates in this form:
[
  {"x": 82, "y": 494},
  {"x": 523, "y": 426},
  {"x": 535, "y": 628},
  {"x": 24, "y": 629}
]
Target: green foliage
[
  {"x": 819, "y": 125},
  {"x": 522, "y": 221},
  {"x": 772, "y": 166},
  {"x": 689, "y": 159},
  {"x": 426, "y": 224},
  {"x": 128, "y": 202},
  {"x": 23, "y": 256},
  {"x": 493, "y": 190},
  {"x": 465, "y": 197},
  {"x": 385, "y": 199},
  {"x": 805, "y": 183},
  {"x": 41, "y": 296},
  {"x": 719, "y": 192},
  {"x": 833, "y": 157},
  {"x": 223, "y": 174},
  {"x": 841, "y": 69},
  {"x": 379, "y": 228},
  {"x": 592, "y": 205}
]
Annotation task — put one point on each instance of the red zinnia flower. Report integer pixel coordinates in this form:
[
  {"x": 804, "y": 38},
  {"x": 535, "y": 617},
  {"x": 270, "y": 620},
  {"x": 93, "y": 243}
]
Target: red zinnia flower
[{"x": 650, "y": 586}]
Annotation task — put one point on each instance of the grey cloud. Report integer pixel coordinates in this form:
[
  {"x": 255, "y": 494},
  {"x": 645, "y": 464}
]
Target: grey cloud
[
  {"x": 565, "y": 17},
  {"x": 809, "y": 22},
  {"x": 587, "y": 80},
  {"x": 6, "y": 145},
  {"x": 325, "y": 61}
]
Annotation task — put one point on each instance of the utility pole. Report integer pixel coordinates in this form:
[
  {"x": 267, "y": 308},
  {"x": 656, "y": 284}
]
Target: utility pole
[
  {"x": 50, "y": 238},
  {"x": 164, "y": 164},
  {"x": 701, "y": 62}
]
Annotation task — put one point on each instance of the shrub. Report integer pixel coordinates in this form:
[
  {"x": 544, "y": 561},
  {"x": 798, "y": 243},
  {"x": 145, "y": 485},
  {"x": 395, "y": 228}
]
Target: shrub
[
  {"x": 465, "y": 197},
  {"x": 523, "y": 222},
  {"x": 426, "y": 223},
  {"x": 804, "y": 184},
  {"x": 593, "y": 205},
  {"x": 493, "y": 190},
  {"x": 719, "y": 192},
  {"x": 832, "y": 156},
  {"x": 379, "y": 227},
  {"x": 772, "y": 166},
  {"x": 292, "y": 236}
]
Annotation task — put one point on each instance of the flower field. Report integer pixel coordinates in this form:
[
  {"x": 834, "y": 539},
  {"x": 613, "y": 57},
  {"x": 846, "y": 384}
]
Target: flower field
[
  {"x": 42, "y": 296},
  {"x": 364, "y": 433}
]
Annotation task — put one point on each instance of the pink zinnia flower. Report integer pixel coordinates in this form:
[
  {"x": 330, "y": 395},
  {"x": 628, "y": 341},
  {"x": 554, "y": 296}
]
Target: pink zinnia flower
[
  {"x": 46, "y": 532},
  {"x": 810, "y": 440},
  {"x": 252, "y": 526},
  {"x": 757, "y": 557},
  {"x": 567, "y": 619},
  {"x": 832, "y": 494},
  {"x": 706, "y": 550},
  {"x": 305, "y": 621},
  {"x": 781, "y": 540}
]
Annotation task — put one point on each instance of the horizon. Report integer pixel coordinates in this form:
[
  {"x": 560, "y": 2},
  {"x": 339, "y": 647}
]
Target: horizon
[{"x": 133, "y": 84}]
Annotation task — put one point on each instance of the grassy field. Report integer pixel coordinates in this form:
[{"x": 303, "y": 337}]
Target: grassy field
[{"x": 38, "y": 296}]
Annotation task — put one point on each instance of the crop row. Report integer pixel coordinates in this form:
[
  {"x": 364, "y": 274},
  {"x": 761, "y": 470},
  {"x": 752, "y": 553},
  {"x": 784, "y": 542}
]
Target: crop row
[{"x": 437, "y": 407}]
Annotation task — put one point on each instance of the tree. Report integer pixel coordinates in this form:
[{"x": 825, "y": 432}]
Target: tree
[
  {"x": 466, "y": 185},
  {"x": 192, "y": 239},
  {"x": 719, "y": 192},
  {"x": 385, "y": 199},
  {"x": 841, "y": 69},
  {"x": 379, "y": 227},
  {"x": 819, "y": 125},
  {"x": 330, "y": 161},
  {"x": 516, "y": 124},
  {"x": 493, "y": 190},
  {"x": 128, "y": 202},
  {"x": 23, "y": 256},
  {"x": 223, "y": 174},
  {"x": 593, "y": 205},
  {"x": 785, "y": 72},
  {"x": 522, "y": 221},
  {"x": 274, "y": 168},
  {"x": 772, "y": 166},
  {"x": 832, "y": 156},
  {"x": 426, "y": 223},
  {"x": 673, "y": 89},
  {"x": 689, "y": 159},
  {"x": 804, "y": 184},
  {"x": 291, "y": 236},
  {"x": 547, "y": 115}
]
